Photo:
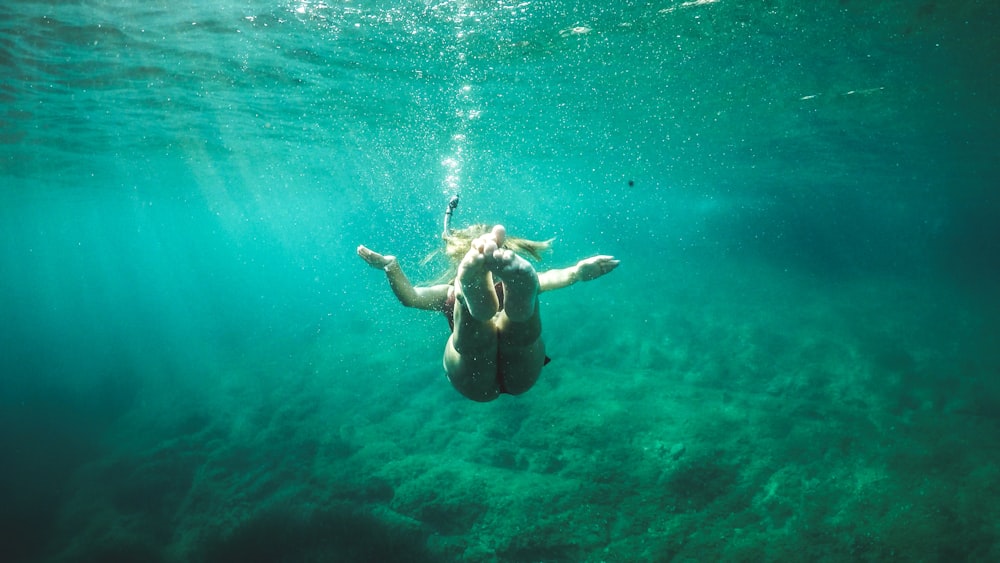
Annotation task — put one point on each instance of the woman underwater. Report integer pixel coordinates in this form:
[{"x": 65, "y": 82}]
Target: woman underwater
[{"x": 496, "y": 344}]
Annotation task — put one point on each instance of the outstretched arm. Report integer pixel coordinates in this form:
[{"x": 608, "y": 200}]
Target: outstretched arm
[
  {"x": 429, "y": 298},
  {"x": 584, "y": 270}
]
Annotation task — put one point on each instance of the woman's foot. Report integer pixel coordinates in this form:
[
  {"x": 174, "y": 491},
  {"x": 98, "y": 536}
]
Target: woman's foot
[
  {"x": 474, "y": 281},
  {"x": 520, "y": 282}
]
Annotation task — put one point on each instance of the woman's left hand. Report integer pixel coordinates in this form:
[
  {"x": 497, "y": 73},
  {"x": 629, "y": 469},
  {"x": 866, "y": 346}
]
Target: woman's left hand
[{"x": 374, "y": 259}]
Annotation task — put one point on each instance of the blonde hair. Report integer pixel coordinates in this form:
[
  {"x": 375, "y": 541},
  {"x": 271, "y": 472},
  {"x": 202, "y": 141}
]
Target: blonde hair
[{"x": 458, "y": 242}]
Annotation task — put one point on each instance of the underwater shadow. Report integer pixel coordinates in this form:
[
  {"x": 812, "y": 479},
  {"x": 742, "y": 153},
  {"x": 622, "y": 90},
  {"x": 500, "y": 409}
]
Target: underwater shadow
[{"x": 341, "y": 534}]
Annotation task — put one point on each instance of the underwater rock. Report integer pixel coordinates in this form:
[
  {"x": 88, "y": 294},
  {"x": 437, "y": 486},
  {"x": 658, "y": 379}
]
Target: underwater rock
[{"x": 677, "y": 451}]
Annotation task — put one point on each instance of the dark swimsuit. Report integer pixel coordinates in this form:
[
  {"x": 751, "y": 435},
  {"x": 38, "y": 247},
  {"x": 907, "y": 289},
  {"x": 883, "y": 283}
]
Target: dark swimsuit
[{"x": 449, "y": 312}]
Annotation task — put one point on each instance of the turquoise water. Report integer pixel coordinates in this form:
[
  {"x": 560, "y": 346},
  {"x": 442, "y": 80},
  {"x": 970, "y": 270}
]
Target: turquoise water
[{"x": 797, "y": 359}]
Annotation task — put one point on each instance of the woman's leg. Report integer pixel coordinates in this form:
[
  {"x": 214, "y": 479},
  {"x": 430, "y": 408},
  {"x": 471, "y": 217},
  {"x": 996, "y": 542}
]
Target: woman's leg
[
  {"x": 470, "y": 357},
  {"x": 519, "y": 326},
  {"x": 482, "y": 336}
]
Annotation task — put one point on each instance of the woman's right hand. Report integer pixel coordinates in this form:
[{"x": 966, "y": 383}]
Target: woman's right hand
[
  {"x": 595, "y": 267},
  {"x": 374, "y": 259}
]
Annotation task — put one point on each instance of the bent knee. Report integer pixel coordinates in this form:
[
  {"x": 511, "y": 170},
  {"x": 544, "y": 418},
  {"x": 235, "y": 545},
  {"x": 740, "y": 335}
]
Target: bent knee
[
  {"x": 521, "y": 382},
  {"x": 478, "y": 389}
]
